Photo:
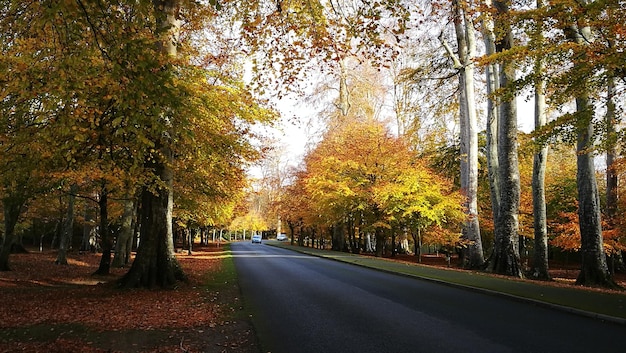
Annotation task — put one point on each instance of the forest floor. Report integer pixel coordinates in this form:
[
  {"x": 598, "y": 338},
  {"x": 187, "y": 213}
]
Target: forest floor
[{"x": 54, "y": 308}]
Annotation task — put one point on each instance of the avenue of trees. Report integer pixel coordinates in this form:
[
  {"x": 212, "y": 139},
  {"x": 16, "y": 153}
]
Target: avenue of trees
[
  {"x": 524, "y": 196},
  {"x": 134, "y": 116},
  {"x": 101, "y": 109}
]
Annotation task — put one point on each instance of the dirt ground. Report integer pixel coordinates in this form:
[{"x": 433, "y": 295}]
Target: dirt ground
[{"x": 53, "y": 308}]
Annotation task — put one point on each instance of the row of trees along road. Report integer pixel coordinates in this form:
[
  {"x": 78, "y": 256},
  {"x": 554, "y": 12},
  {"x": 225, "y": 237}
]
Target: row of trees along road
[
  {"x": 567, "y": 55},
  {"x": 145, "y": 98},
  {"x": 141, "y": 104},
  {"x": 134, "y": 105}
]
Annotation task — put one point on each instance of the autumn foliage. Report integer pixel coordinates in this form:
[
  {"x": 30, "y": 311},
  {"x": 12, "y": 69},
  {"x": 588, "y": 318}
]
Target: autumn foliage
[{"x": 364, "y": 179}]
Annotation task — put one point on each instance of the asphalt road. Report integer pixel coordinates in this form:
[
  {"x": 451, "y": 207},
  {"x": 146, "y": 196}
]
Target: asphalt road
[{"x": 301, "y": 303}]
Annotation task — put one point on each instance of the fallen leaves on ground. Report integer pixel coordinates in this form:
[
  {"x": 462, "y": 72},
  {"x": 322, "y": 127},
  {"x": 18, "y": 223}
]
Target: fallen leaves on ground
[{"x": 39, "y": 295}]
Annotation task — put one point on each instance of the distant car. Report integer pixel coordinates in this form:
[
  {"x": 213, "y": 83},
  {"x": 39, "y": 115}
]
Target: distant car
[
  {"x": 256, "y": 239},
  {"x": 281, "y": 237}
]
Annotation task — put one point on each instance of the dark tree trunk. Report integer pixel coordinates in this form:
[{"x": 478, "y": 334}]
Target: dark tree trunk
[
  {"x": 155, "y": 264},
  {"x": 380, "y": 242},
  {"x": 616, "y": 259},
  {"x": 301, "y": 236},
  {"x": 12, "y": 210},
  {"x": 190, "y": 235},
  {"x": 87, "y": 230},
  {"x": 68, "y": 229},
  {"x": 417, "y": 239},
  {"x": 106, "y": 238},
  {"x": 123, "y": 246},
  {"x": 393, "y": 243},
  {"x": 292, "y": 229},
  {"x": 611, "y": 153},
  {"x": 59, "y": 226},
  {"x": 337, "y": 243}
]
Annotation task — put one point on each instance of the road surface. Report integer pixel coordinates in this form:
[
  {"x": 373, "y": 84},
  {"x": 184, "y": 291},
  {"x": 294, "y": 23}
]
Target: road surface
[{"x": 301, "y": 303}]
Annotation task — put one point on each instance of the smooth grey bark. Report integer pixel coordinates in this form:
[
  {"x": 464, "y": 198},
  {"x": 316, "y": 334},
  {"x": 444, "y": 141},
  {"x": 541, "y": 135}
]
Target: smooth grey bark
[
  {"x": 505, "y": 258},
  {"x": 155, "y": 264},
  {"x": 473, "y": 256},
  {"x": 68, "y": 228},
  {"x": 540, "y": 266},
  {"x": 540, "y": 257},
  {"x": 594, "y": 269},
  {"x": 491, "y": 130}
]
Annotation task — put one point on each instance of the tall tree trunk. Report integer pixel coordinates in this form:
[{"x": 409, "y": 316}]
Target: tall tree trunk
[
  {"x": 594, "y": 269},
  {"x": 123, "y": 246},
  {"x": 68, "y": 228},
  {"x": 540, "y": 255},
  {"x": 106, "y": 238},
  {"x": 493, "y": 82},
  {"x": 417, "y": 239},
  {"x": 611, "y": 153},
  {"x": 466, "y": 43},
  {"x": 380, "y": 242},
  {"x": 12, "y": 209},
  {"x": 156, "y": 264},
  {"x": 616, "y": 259},
  {"x": 505, "y": 257}
]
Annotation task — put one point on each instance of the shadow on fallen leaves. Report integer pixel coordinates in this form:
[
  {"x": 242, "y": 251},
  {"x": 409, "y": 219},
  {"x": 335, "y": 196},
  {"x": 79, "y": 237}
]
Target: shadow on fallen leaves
[{"x": 63, "y": 308}]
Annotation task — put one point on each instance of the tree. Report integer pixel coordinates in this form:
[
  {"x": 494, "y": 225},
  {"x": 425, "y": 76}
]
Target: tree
[
  {"x": 505, "y": 256},
  {"x": 360, "y": 172},
  {"x": 291, "y": 39},
  {"x": 68, "y": 228},
  {"x": 156, "y": 264},
  {"x": 123, "y": 244},
  {"x": 579, "y": 59},
  {"x": 594, "y": 269},
  {"x": 492, "y": 76},
  {"x": 464, "y": 62},
  {"x": 540, "y": 258},
  {"x": 24, "y": 104}
]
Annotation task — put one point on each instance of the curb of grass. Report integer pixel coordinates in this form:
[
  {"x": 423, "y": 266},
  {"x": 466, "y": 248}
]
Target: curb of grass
[{"x": 573, "y": 300}]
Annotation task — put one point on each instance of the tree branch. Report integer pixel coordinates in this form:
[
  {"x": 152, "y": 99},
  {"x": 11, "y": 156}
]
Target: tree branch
[{"x": 455, "y": 59}]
